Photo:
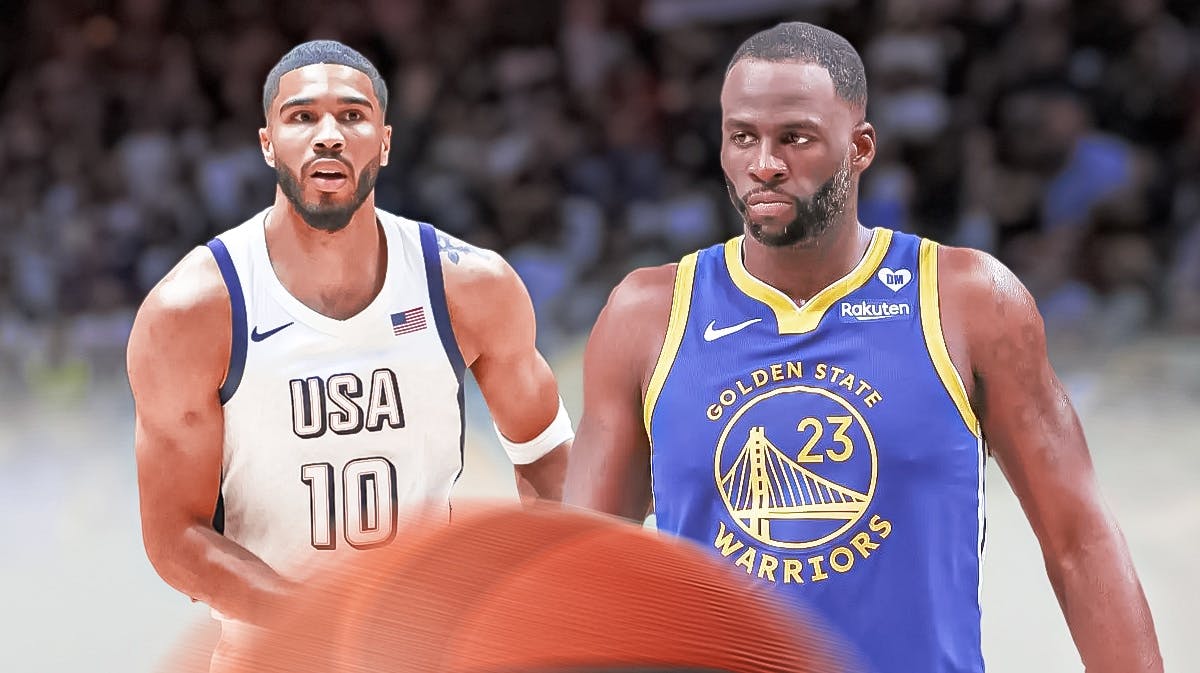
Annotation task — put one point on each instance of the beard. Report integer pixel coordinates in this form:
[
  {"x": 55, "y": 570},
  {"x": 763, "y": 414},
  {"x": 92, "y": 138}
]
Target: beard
[
  {"x": 814, "y": 215},
  {"x": 326, "y": 214}
]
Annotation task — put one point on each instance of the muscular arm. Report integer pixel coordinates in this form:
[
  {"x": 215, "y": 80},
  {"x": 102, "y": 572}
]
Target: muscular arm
[
  {"x": 493, "y": 321},
  {"x": 1036, "y": 437},
  {"x": 610, "y": 462},
  {"x": 177, "y": 357}
]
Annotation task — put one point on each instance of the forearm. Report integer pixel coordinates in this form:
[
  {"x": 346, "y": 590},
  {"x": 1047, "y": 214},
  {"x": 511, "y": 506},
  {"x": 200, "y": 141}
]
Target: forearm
[
  {"x": 543, "y": 478},
  {"x": 208, "y": 567},
  {"x": 599, "y": 492},
  {"x": 604, "y": 478},
  {"x": 1105, "y": 607}
]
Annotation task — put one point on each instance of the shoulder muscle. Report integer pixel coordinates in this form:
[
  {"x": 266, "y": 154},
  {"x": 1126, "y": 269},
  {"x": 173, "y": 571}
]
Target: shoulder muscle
[
  {"x": 181, "y": 335},
  {"x": 483, "y": 291},
  {"x": 990, "y": 310},
  {"x": 633, "y": 325}
]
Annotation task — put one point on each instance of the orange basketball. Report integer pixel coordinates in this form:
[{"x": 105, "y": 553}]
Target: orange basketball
[{"x": 510, "y": 590}]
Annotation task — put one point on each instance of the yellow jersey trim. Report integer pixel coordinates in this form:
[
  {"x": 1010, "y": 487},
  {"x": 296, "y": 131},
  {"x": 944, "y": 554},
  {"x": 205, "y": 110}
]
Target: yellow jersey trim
[
  {"x": 681, "y": 301},
  {"x": 794, "y": 319},
  {"x": 935, "y": 340}
]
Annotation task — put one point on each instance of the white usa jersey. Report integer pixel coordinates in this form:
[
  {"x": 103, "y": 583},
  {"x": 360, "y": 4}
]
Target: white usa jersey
[{"x": 334, "y": 427}]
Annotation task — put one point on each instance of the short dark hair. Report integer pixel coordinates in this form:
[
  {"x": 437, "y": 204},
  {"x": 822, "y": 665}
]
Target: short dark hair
[
  {"x": 322, "y": 51},
  {"x": 806, "y": 43}
]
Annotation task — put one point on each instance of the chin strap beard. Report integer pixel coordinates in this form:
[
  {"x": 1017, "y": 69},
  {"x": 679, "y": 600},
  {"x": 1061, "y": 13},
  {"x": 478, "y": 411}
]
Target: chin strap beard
[{"x": 333, "y": 218}]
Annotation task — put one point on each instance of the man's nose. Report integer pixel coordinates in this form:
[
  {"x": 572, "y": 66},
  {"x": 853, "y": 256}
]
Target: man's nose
[
  {"x": 767, "y": 166},
  {"x": 329, "y": 137}
]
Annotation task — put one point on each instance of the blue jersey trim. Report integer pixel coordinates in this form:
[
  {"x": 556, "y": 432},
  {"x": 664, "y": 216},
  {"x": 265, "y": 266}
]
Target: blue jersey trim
[
  {"x": 218, "y": 520},
  {"x": 437, "y": 298},
  {"x": 441, "y": 318},
  {"x": 462, "y": 432},
  {"x": 237, "y": 305}
]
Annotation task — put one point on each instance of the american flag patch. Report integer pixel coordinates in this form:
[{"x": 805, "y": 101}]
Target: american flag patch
[{"x": 411, "y": 320}]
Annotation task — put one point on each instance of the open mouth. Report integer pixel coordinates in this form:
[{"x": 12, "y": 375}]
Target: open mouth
[{"x": 328, "y": 179}]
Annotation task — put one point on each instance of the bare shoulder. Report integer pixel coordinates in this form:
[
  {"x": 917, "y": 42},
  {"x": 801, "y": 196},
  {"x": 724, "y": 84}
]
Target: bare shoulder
[
  {"x": 469, "y": 270},
  {"x": 479, "y": 283},
  {"x": 986, "y": 309},
  {"x": 483, "y": 291},
  {"x": 977, "y": 279},
  {"x": 185, "y": 320},
  {"x": 194, "y": 284},
  {"x": 469, "y": 267},
  {"x": 633, "y": 325},
  {"x": 644, "y": 294},
  {"x": 978, "y": 274}
]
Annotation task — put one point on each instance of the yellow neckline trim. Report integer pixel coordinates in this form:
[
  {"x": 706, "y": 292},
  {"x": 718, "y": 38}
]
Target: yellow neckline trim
[
  {"x": 794, "y": 319},
  {"x": 935, "y": 340},
  {"x": 681, "y": 301}
]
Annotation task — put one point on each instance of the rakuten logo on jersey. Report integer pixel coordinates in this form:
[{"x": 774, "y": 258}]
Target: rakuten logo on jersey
[{"x": 871, "y": 311}]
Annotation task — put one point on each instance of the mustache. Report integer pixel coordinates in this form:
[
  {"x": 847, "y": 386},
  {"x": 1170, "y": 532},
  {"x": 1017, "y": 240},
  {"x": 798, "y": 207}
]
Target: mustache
[
  {"x": 319, "y": 156},
  {"x": 767, "y": 189},
  {"x": 742, "y": 202}
]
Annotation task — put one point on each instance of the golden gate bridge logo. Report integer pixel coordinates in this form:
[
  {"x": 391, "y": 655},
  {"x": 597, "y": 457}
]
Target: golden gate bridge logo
[{"x": 765, "y": 484}]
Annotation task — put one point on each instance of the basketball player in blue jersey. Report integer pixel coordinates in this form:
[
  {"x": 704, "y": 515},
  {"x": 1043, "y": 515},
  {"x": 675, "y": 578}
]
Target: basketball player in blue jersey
[
  {"x": 301, "y": 375},
  {"x": 810, "y": 401}
]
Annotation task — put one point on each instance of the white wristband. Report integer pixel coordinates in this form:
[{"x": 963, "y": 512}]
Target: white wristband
[{"x": 556, "y": 433}]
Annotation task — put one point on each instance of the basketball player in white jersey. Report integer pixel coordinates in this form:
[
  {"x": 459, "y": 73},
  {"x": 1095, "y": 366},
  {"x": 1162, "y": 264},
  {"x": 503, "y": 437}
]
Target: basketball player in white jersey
[{"x": 298, "y": 381}]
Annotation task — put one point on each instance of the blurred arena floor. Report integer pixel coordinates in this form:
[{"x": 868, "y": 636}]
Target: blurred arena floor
[{"x": 81, "y": 596}]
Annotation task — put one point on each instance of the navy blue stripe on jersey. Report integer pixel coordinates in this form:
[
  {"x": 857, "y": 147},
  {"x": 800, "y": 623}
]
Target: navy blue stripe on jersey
[
  {"x": 218, "y": 520},
  {"x": 237, "y": 305},
  {"x": 437, "y": 298},
  {"x": 462, "y": 432},
  {"x": 441, "y": 318}
]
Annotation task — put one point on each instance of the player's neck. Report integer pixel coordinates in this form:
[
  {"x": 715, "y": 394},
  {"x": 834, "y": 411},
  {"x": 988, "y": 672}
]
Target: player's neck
[
  {"x": 801, "y": 271},
  {"x": 336, "y": 273}
]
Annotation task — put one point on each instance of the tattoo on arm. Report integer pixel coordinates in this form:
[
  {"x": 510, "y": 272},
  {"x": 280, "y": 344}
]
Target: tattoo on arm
[{"x": 454, "y": 248}]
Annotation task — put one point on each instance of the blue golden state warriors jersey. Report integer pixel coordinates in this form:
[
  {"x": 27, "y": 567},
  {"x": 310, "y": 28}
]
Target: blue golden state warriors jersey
[{"x": 828, "y": 450}]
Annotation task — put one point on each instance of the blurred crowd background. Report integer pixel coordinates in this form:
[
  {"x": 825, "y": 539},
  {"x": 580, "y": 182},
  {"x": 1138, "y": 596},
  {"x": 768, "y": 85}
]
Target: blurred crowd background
[{"x": 580, "y": 138}]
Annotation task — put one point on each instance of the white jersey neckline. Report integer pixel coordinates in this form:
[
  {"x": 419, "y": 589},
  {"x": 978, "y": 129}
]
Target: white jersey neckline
[{"x": 376, "y": 310}]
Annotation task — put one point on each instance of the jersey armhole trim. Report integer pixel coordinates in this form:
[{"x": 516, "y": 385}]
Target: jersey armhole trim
[
  {"x": 437, "y": 299},
  {"x": 681, "y": 300},
  {"x": 218, "y": 519},
  {"x": 237, "y": 307},
  {"x": 436, "y": 283},
  {"x": 935, "y": 340}
]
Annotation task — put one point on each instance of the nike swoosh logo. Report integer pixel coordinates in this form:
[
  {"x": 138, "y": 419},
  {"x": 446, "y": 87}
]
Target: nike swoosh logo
[
  {"x": 711, "y": 333},
  {"x": 257, "y": 336}
]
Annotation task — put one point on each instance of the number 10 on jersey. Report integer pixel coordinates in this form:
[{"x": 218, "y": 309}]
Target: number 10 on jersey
[{"x": 368, "y": 487}]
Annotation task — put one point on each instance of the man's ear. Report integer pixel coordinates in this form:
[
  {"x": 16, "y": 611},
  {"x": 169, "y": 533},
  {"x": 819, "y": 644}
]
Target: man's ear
[
  {"x": 268, "y": 151},
  {"x": 864, "y": 146},
  {"x": 386, "y": 146}
]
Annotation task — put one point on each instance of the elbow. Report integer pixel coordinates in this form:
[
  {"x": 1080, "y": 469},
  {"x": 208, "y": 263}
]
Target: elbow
[
  {"x": 170, "y": 554},
  {"x": 161, "y": 550}
]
